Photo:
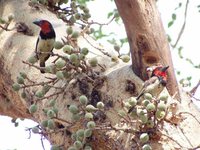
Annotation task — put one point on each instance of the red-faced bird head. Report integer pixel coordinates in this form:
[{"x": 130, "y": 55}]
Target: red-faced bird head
[
  {"x": 160, "y": 72},
  {"x": 45, "y": 25}
]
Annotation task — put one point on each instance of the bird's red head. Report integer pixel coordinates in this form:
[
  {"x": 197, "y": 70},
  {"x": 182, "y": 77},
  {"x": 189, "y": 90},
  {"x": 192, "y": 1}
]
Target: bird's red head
[
  {"x": 45, "y": 25},
  {"x": 160, "y": 71}
]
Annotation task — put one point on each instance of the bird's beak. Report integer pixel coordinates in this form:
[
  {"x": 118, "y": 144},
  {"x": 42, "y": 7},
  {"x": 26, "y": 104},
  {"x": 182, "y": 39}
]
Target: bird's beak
[
  {"x": 37, "y": 22},
  {"x": 164, "y": 68}
]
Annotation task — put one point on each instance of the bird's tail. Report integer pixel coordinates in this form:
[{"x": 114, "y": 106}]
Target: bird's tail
[{"x": 42, "y": 65}]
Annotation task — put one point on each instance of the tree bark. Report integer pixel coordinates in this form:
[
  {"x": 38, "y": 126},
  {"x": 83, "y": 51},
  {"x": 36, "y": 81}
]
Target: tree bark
[
  {"x": 147, "y": 38},
  {"x": 16, "y": 47}
]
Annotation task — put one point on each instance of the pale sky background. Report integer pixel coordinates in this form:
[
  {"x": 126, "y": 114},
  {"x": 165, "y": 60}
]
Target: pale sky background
[{"x": 16, "y": 138}]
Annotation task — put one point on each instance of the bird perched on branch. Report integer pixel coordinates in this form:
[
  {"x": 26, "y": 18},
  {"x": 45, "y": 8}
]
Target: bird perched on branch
[
  {"x": 155, "y": 84},
  {"x": 45, "y": 42}
]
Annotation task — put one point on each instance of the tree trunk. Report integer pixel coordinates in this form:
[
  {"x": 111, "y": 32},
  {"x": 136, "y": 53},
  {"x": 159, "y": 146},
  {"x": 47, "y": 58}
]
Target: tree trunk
[
  {"x": 111, "y": 88},
  {"x": 147, "y": 38}
]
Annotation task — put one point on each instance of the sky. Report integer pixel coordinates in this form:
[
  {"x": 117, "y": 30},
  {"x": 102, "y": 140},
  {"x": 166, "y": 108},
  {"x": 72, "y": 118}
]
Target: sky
[{"x": 17, "y": 138}]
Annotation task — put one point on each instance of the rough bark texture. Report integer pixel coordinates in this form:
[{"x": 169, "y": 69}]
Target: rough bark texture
[
  {"x": 147, "y": 38},
  {"x": 16, "y": 47}
]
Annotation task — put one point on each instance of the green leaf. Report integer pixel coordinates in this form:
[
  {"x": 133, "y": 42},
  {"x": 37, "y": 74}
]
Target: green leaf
[
  {"x": 170, "y": 23},
  {"x": 174, "y": 16},
  {"x": 110, "y": 14}
]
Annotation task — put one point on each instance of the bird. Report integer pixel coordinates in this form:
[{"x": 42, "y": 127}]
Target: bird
[
  {"x": 45, "y": 42},
  {"x": 155, "y": 84}
]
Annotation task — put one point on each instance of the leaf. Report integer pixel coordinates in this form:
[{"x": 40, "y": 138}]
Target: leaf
[
  {"x": 189, "y": 78},
  {"x": 179, "y": 6},
  {"x": 173, "y": 16},
  {"x": 170, "y": 23},
  {"x": 110, "y": 14}
]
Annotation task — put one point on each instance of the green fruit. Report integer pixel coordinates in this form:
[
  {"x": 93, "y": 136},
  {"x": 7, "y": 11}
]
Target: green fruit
[
  {"x": 75, "y": 34},
  {"x": 88, "y": 116},
  {"x": 100, "y": 105},
  {"x": 77, "y": 16},
  {"x": 122, "y": 113},
  {"x": 81, "y": 56},
  {"x": 55, "y": 147},
  {"x": 141, "y": 112},
  {"x": 35, "y": 130},
  {"x": 39, "y": 94},
  {"x": 58, "y": 45},
  {"x": 132, "y": 101},
  {"x": 47, "y": 69},
  {"x": 44, "y": 123},
  {"x": 144, "y": 118},
  {"x": 163, "y": 97},
  {"x": 151, "y": 107},
  {"x": 72, "y": 148},
  {"x": 133, "y": 113},
  {"x": 73, "y": 136},
  {"x": 91, "y": 124},
  {"x": 90, "y": 108},
  {"x": 83, "y": 100},
  {"x": 67, "y": 49},
  {"x": 84, "y": 51},
  {"x": 150, "y": 124},
  {"x": 73, "y": 58},
  {"x": 45, "y": 88},
  {"x": 114, "y": 58},
  {"x": 60, "y": 63},
  {"x": 125, "y": 58},
  {"x": 93, "y": 62},
  {"x": 145, "y": 102},
  {"x": 69, "y": 30},
  {"x": 23, "y": 94},
  {"x": 127, "y": 105},
  {"x": 51, "y": 113},
  {"x": 60, "y": 75},
  {"x": 78, "y": 144},
  {"x": 162, "y": 106},
  {"x": 45, "y": 110},
  {"x": 73, "y": 109},
  {"x": 76, "y": 117},
  {"x": 33, "y": 108},
  {"x": 16, "y": 87},
  {"x": 144, "y": 137},
  {"x": 10, "y": 17},
  {"x": 80, "y": 133},
  {"x": 146, "y": 147},
  {"x": 52, "y": 102},
  {"x": 117, "y": 48},
  {"x": 23, "y": 75},
  {"x": 51, "y": 124},
  {"x": 87, "y": 133},
  {"x": 160, "y": 114},
  {"x": 148, "y": 96},
  {"x": 87, "y": 147},
  {"x": 86, "y": 10},
  {"x": 32, "y": 59},
  {"x": 55, "y": 109}
]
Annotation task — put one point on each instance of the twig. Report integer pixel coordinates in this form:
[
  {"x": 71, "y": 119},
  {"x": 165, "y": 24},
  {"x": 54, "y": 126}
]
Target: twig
[
  {"x": 191, "y": 115},
  {"x": 174, "y": 140},
  {"x": 183, "y": 26},
  {"x": 42, "y": 143},
  {"x": 194, "y": 89},
  {"x": 100, "y": 49}
]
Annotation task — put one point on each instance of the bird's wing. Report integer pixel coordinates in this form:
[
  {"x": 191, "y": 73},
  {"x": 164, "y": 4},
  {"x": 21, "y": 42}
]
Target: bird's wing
[
  {"x": 36, "y": 48},
  {"x": 152, "y": 80}
]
